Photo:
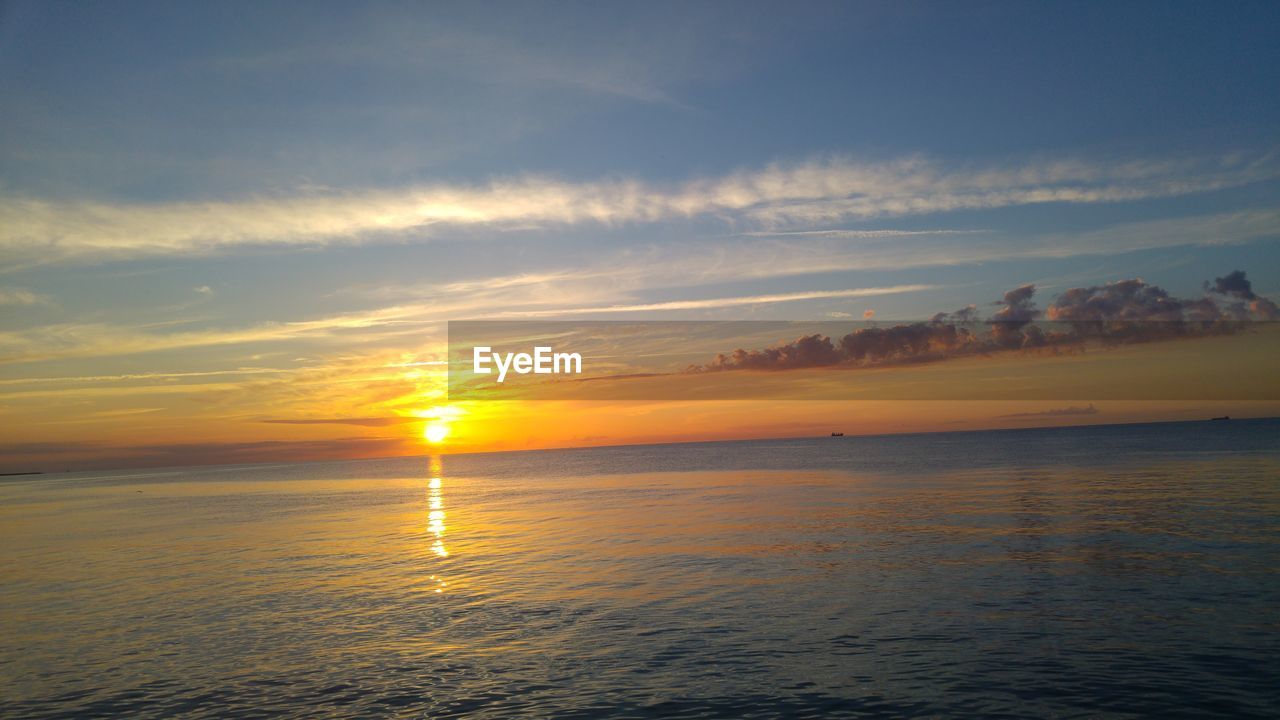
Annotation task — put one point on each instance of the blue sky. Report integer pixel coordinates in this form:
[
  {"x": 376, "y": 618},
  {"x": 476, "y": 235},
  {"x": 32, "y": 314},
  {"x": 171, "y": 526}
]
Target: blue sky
[
  {"x": 213, "y": 188},
  {"x": 147, "y": 101}
]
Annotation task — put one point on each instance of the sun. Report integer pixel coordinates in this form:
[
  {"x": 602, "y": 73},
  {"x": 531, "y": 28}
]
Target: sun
[
  {"x": 438, "y": 420},
  {"x": 436, "y": 431}
]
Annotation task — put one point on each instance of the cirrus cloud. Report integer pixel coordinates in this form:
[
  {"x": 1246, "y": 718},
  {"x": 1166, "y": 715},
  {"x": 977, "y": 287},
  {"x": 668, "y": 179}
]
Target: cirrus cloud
[{"x": 778, "y": 196}]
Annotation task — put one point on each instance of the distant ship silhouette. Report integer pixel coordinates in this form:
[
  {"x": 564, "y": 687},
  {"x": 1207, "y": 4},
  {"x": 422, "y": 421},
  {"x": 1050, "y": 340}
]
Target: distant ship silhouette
[
  {"x": 837, "y": 434},
  {"x": 1224, "y": 417}
]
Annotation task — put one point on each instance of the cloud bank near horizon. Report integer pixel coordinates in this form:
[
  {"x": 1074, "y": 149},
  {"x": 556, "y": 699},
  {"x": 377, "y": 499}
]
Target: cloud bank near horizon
[{"x": 1125, "y": 311}]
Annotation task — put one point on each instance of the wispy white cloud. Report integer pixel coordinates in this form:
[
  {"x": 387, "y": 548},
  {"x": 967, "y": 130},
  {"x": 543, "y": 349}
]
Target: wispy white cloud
[
  {"x": 613, "y": 276},
  {"x": 381, "y": 325},
  {"x": 776, "y": 197},
  {"x": 78, "y": 340},
  {"x": 859, "y": 234},
  {"x": 139, "y": 377},
  {"x": 716, "y": 303},
  {"x": 130, "y": 391},
  {"x": 622, "y": 282}
]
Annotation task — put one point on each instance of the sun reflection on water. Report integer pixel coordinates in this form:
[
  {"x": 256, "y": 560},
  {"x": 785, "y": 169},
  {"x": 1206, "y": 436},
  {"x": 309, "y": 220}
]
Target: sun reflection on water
[{"x": 436, "y": 516}]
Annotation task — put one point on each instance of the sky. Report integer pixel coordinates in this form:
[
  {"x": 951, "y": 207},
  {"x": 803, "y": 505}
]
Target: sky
[{"x": 236, "y": 231}]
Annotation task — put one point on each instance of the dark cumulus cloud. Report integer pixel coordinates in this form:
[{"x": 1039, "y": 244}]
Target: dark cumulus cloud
[
  {"x": 1017, "y": 311},
  {"x": 1125, "y": 311},
  {"x": 805, "y": 352},
  {"x": 1018, "y": 306},
  {"x": 1234, "y": 283},
  {"x": 1235, "y": 286}
]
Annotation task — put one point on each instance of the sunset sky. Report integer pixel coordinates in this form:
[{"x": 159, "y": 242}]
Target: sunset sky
[{"x": 235, "y": 232}]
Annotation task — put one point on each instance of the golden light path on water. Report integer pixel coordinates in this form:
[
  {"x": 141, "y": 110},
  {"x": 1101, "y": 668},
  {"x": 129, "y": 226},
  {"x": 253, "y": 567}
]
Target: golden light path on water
[{"x": 435, "y": 517}]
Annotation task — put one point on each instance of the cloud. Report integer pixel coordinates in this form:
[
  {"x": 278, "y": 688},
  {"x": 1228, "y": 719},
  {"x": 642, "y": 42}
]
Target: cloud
[
  {"x": 1126, "y": 311},
  {"x": 615, "y": 279},
  {"x": 131, "y": 391},
  {"x": 1055, "y": 412},
  {"x": 1130, "y": 300},
  {"x": 133, "y": 377},
  {"x": 808, "y": 193},
  {"x": 1017, "y": 309},
  {"x": 806, "y": 352},
  {"x": 1018, "y": 306},
  {"x": 966, "y": 314},
  {"x": 860, "y": 234},
  {"x": 715, "y": 303},
  {"x": 83, "y": 455},
  {"x": 1236, "y": 285},
  {"x": 1121, "y": 305},
  {"x": 46, "y": 447},
  {"x": 1265, "y": 309},
  {"x": 97, "y": 340},
  {"x": 65, "y": 340},
  {"x": 365, "y": 422},
  {"x": 18, "y": 296},
  {"x": 897, "y": 344}
]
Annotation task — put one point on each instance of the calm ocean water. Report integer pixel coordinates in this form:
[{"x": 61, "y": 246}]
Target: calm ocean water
[{"x": 1110, "y": 571}]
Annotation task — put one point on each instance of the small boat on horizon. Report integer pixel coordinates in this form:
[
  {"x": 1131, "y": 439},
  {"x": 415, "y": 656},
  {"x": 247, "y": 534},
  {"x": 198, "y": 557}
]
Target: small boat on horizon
[
  {"x": 837, "y": 434},
  {"x": 1224, "y": 417}
]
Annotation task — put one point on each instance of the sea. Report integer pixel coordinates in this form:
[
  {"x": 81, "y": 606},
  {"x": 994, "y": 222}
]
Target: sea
[{"x": 1105, "y": 571}]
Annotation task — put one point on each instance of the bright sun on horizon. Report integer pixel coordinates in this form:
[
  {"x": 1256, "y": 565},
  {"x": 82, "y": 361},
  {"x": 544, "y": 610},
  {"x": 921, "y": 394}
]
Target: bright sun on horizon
[{"x": 435, "y": 432}]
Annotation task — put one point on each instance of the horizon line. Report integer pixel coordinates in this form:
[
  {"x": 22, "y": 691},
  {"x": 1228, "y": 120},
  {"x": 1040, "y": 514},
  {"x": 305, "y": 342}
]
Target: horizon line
[{"x": 33, "y": 474}]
